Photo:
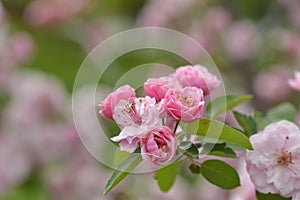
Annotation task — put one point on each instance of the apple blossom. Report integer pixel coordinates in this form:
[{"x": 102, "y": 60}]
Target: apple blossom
[
  {"x": 295, "y": 83},
  {"x": 184, "y": 104},
  {"x": 274, "y": 164},
  {"x": 134, "y": 118},
  {"x": 158, "y": 87},
  {"x": 158, "y": 145},
  {"x": 107, "y": 106},
  {"x": 197, "y": 76}
]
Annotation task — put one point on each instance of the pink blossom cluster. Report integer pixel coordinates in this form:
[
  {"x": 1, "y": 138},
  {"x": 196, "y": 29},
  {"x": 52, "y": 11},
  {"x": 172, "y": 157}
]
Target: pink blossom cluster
[
  {"x": 170, "y": 99},
  {"x": 274, "y": 164}
]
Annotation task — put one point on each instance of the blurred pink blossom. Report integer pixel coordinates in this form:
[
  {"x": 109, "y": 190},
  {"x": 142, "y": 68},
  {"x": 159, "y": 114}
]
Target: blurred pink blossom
[
  {"x": 47, "y": 12},
  {"x": 216, "y": 20},
  {"x": 274, "y": 163},
  {"x": 35, "y": 98},
  {"x": 160, "y": 13},
  {"x": 247, "y": 189},
  {"x": 241, "y": 42},
  {"x": 292, "y": 7},
  {"x": 271, "y": 86},
  {"x": 295, "y": 82},
  {"x": 290, "y": 42},
  {"x": 79, "y": 177},
  {"x": 21, "y": 47},
  {"x": 15, "y": 162}
]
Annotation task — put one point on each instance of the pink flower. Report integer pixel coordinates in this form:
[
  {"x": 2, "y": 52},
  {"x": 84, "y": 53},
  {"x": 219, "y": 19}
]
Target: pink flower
[
  {"x": 271, "y": 86},
  {"x": 184, "y": 104},
  {"x": 134, "y": 118},
  {"x": 197, "y": 76},
  {"x": 274, "y": 164},
  {"x": 295, "y": 83},
  {"x": 158, "y": 145},
  {"x": 242, "y": 41},
  {"x": 107, "y": 106},
  {"x": 158, "y": 87},
  {"x": 21, "y": 47}
]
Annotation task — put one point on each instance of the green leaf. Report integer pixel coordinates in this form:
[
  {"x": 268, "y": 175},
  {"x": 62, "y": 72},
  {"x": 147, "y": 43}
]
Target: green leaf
[
  {"x": 195, "y": 169},
  {"x": 225, "y": 103},
  {"x": 120, "y": 156},
  {"x": 284, "y": 111},
  {"x": 218, "y": 150},
  {"x": 220, "y": 174},
  {"x": 261, "y": 196},
  {"x": 32, "y": 188},
  {"x": 212, "y": 129},
  {"x": 246, "y": 122},
  {"x": 166, "y": 176},
  {"x": 189, "y": 149},
  {"x": 122, "y": 171}
]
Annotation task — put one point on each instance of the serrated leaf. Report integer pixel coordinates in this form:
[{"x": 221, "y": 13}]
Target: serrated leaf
[
  {"x": 261, "y": 196},
  {"x": 166, "y": 176},
  {"x": 122, "y": 171},
  {"x": 189, "y": 149},
  {"x": 218, "y": 150},
  {"x": 246, "y": 122},
  {"x": 225, "y": 103},
  {"x": 212, "y": 129},
  {"x": 220, "y": 174},
  {"x": 284, "y": 111}
]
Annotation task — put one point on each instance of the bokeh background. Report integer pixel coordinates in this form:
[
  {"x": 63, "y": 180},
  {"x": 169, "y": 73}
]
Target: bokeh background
[{"x": 255, "y": 44}]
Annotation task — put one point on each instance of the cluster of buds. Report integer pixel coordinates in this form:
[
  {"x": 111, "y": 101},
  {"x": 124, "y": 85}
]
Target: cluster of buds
[{"x": 150, "y": 122}]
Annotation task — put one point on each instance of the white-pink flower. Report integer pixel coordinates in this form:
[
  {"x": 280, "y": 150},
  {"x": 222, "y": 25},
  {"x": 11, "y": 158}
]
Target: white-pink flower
[
  {"x": 184, "y": 104},
  {"x": 295, "y": 83},
  {"x": 158, "y": 145},
  {"x": 274, "y": 164},
  {"x": 134, "y": 118},
  {"x": 158, "y": 87},
  {"x": 108, "y": 105}
]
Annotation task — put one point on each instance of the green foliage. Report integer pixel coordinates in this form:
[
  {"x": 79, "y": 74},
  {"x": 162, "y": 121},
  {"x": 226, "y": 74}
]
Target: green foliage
[
  {"x": 218, "y": 150},
  {"x": 220, "y": 174},
  {"x": 284, "y": 111},
  {"x": 224, "y": 103},
  {"x": 166, "y": 175},
  {"x": 261, "y": 196},
  {"x": 120, "y": 156},
  {"x": 215, "y": 131},
  {"x": 33, "y": 189},
  {"x": 122, "y": 171},
  {"x": 189, "y": 149},
  {"x": 246, "y": 122}
]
